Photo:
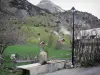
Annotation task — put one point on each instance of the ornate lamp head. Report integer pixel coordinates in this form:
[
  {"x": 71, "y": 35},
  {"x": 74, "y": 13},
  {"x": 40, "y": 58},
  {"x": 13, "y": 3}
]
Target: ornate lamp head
[{"x": 73, "y": 9}]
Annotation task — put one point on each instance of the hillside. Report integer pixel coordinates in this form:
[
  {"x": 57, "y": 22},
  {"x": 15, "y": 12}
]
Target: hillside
[
  {"x": 83, "y": 20},
  {"x": 45, "y": 28},
  {"x": 33, "y": 16},
  {"x": 19, "y": 9}
]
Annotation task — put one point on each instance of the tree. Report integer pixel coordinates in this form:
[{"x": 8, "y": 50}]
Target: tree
[
  {"x": 9, "y": 33},
  {"x": 50, "y": 41}
]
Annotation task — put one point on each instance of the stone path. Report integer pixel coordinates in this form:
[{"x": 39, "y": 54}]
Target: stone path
[
  {"x": 20, "y": 61},
  {"x": 77, "y": 71}
]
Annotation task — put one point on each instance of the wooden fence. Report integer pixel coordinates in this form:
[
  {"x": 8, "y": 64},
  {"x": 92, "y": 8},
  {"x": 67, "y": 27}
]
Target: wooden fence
[{"x": 87, "y": 51}]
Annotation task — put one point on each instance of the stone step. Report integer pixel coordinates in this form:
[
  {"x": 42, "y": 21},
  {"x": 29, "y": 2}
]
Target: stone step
[{"x": 37, "y": 68}]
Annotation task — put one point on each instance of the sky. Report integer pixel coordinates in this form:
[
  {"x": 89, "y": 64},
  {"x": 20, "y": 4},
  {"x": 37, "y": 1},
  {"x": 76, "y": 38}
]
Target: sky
[{"x": 90, "y": 6}]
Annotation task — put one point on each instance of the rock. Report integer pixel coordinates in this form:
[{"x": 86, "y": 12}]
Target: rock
[
  {"x": 43, "y": 57},
  {"x": 12, "y": 56},
  {"x": 68, "y": 65},
  {"x": 38, "y": 69}
]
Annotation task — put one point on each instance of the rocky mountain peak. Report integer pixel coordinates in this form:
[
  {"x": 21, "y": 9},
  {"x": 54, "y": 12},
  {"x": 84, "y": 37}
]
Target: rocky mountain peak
[
  {"x": 43, "y": 1},
  {"x": 49, "y": 5}
]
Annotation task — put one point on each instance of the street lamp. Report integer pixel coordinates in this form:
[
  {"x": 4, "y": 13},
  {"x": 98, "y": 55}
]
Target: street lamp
[{"x": 73, "y": 12}]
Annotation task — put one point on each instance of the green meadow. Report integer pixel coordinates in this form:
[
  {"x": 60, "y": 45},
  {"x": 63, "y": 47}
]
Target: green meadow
[
  {"x": 33, "y": 50},
  {"x": 27, "y": 51}
]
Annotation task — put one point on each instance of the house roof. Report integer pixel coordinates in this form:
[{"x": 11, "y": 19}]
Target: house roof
[{"x": 88, "y": 33}]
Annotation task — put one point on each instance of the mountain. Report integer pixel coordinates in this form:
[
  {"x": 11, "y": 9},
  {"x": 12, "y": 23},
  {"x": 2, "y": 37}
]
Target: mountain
[
  {"x": 82, "y": 20},
  {"x": 38, "y": 20},
  {"x": 24, "y": 9},
  {"x": 47, "y": 4},
  {"x": 19, "y": 9}
]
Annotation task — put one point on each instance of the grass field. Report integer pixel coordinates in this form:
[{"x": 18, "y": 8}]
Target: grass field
[
  {"x": 33, "y": 50},
  {"x": 29, "y": 50}
]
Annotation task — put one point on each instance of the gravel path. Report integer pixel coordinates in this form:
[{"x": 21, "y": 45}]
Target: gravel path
[{"x": 77, "y": 71}]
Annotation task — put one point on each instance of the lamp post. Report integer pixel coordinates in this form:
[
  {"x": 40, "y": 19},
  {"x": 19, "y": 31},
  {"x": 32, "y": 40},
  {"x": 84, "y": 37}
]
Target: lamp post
[{"x": 73, "y": 11}]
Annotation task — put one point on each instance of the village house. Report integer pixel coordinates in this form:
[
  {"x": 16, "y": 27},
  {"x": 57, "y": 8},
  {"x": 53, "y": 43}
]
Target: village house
[{"x": 87, "y": 46}]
